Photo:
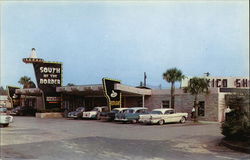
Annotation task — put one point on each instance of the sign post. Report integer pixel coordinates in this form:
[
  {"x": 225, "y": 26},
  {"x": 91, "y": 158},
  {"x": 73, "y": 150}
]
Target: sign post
[
  {"x": 48, "y": 77},
  {"x": 113, "y": 96}
]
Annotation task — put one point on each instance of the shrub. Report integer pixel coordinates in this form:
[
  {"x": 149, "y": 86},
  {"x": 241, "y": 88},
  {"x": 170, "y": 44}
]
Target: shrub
[{"x": 237, "y": 125}]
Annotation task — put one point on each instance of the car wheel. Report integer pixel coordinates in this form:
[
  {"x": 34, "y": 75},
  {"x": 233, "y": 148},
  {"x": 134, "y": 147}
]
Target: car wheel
[
  {"x": 183, "y": 120},
  {"x": 98, "y": 116},
  {"x": 78, "y": 117},
  {"x": 161, "y": 122},
  {"x": 134, "y": 121}
]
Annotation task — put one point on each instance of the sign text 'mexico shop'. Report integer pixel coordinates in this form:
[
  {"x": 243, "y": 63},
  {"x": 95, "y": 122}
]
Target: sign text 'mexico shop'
[
  {"x": 223, "y": 82},
  {"x": 229, "y": 82}
]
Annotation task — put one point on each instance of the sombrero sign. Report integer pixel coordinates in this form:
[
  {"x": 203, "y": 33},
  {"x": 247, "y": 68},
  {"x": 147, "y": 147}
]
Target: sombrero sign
[
  {"x": 113, "y": 96},
  {"x": 48, "y": 77}
]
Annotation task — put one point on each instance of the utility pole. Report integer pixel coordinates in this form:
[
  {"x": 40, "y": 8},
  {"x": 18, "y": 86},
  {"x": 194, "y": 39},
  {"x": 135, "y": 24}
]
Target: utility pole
[{"x": 145, "y": 77}]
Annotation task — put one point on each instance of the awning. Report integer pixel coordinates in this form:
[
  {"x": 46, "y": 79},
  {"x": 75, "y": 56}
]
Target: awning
[
  {"x": 84, "y": 90},
  {"x": 97, "y": 90},
  {"x": 29, "y": 91},
  {"x": 132, "y": 90}
]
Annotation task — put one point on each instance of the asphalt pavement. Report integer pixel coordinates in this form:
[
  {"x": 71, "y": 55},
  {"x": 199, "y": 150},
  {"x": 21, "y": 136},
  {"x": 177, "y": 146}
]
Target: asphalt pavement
[{"x": 54, "y": 139}]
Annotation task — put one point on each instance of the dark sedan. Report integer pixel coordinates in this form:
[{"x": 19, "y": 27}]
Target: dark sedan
[
  {"x": 110, "y": 116},
  {"x": 23, "y": 111},
  {"x": 77, "y": 114}
]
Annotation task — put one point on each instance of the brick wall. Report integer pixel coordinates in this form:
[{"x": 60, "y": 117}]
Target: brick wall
[
  {"x": 131, "y": 101},
  {"x": 184, "y": 102}
]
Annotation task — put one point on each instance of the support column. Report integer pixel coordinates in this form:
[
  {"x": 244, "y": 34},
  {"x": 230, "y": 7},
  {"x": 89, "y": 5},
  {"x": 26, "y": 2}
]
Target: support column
[
  {"x": 143, "y": 100},
  {"x": 124, "y": 101}
]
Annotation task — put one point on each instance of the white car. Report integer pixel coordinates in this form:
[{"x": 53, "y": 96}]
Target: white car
[
  {"x": 95, "y": 113},
  {"x": 161, "y": 116},
  {"x": 5, "y": 119}
]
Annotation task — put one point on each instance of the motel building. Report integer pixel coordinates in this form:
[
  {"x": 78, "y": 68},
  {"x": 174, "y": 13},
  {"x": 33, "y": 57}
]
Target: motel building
[{"x": 211, "y": 106}]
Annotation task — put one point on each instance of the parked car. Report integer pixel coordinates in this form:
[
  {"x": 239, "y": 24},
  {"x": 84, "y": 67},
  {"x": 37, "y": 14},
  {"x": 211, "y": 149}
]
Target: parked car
[
  {"x": 131, "y": 114},
  {"x": 110, "y": 116},
  {"x": 77, "y": 114},
  {"x": 3, "y": 110},
  {"x": 95, "y": 113},
  {"x": 5, "y": 119},
  {"x": 23, "y": 111},
  {"x": 161, "y": 116}
]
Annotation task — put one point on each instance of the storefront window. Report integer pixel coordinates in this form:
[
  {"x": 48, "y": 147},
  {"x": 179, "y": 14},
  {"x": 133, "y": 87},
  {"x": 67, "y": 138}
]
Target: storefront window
[{"x": 201, "y": 108}]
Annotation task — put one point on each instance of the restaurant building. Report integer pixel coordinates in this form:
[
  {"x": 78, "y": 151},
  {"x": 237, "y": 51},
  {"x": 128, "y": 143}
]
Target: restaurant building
[
  {"x": 211, "y": 106},
  {"x": 51, "y": 94}
]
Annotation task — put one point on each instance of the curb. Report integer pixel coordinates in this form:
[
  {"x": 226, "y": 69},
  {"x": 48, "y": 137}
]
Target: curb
[
  {"x": 209, "y": 122},
  {"x": 235, "y": 147}
]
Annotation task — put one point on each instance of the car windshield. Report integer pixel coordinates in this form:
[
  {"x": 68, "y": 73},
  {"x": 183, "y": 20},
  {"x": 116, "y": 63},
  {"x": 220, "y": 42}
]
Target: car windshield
[
  {"x": 129, "y": 111},
  {"x": 115, "y": 111},
  {"x": 79, "y": 109},
  {"x": 3, "y": 110},
  {"x": 95, "y": 109},
  {"x": 156, "y": 112},
  {"x": 122, "y": 111},
  {"x": 105, "y": 109},
  {"x": 18, "y": 107}
]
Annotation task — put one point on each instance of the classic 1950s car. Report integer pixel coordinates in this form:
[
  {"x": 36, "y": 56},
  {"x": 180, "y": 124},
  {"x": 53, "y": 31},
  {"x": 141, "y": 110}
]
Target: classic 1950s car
[
  {"x": 77, "y": 114},
  {"x": 162, "y": 116},
  {"x": 5, "y": 119},
  {"x": 95, "y": 113},
  {"x": 110, "y": 116},
  {"x": 131, "y": 114}
]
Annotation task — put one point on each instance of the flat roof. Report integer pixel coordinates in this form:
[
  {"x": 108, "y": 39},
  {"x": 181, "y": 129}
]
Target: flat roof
[
  {"x": 97, "y": 90},
  {"x": 29, "y": 91},
  {"x": 134, "y": 90}
]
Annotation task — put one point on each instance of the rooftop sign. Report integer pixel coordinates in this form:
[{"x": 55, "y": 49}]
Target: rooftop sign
[
  {"x": 113, "y": 96},
  {"x": 48, "y": 77},
  {"x": 223, "y": 82}
]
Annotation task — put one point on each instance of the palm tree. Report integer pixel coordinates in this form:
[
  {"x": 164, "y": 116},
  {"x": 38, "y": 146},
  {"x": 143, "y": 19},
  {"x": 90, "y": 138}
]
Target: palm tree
[
  {"x": 195, "y": 87},
  {"x": 31, "y": 84},
  {"x": 27, "y": 82},
  {"x": 173, "y": 75}
]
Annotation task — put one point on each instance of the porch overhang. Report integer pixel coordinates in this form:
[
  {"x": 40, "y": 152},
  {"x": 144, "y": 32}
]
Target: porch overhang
[
  {"x": 84, "y": 90},
  {"x": 29, "y": 91},
  {"x": 132, "y": 90},
  {"x": 97, "y": 90}
]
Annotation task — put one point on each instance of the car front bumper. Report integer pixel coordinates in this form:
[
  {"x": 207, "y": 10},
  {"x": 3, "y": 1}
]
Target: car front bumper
[
  {"x": 121, "y": 120},
  {"x": 89, "y": 116},
  {"x": 149, "y": 121},
  {"x": 72, "y": 116},
  {"x": 6, "y": 120}
]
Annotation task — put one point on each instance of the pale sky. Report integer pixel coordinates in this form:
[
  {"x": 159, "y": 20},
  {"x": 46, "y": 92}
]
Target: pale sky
[{"x": 122, "y": 40}]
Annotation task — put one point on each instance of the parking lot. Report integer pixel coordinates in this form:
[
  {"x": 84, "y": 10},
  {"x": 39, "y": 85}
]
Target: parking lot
[{"x": 35, "y": 138}]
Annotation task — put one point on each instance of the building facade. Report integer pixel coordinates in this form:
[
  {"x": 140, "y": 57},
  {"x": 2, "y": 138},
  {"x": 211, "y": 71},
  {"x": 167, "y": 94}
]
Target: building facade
[
  {"x": 211, "y": 106},
  {"x": 51, "y": 94}
]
